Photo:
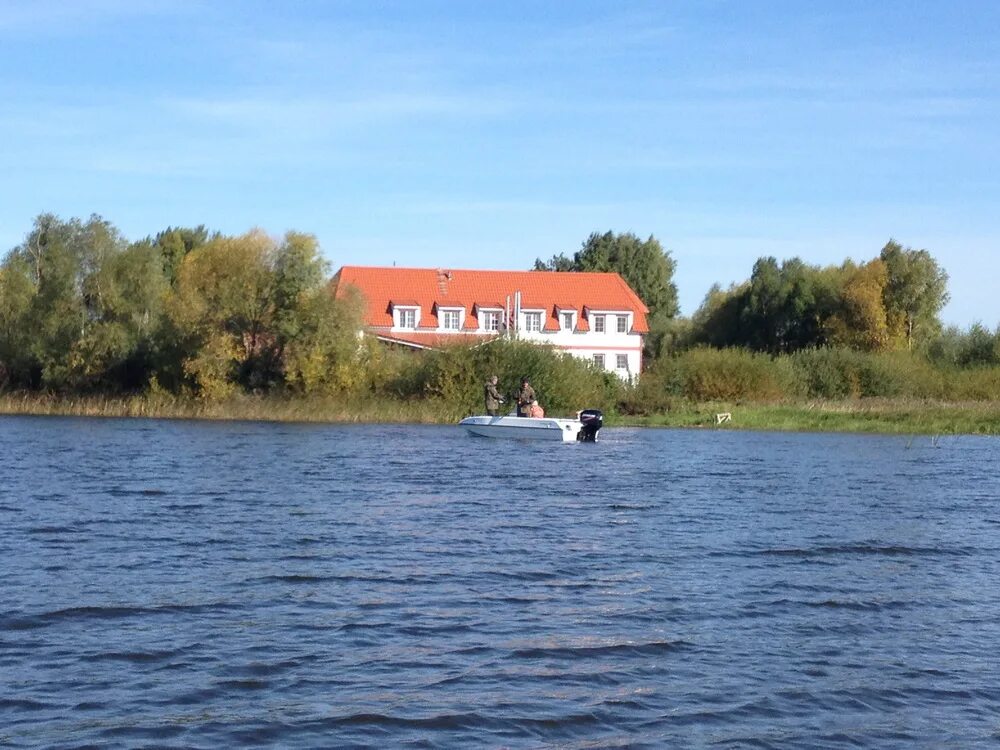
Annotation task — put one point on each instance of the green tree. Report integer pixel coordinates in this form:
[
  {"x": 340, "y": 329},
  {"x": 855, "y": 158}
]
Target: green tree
[
  {"x": 981, "y": 347},
  {"x": 57, "y": 316},
  {"x": 954, "y": 348},
  {"x": 298, "y": 270},
  {"x": 16, "y": 297},
  {"x": 119, "y": 349},
  {"x": 250, "y": 312},
  {"x": 174, "y": 243},
  {"x": 859, "y": 321},
  {"x": 560, "y": 262},
  {"x": 88, "y": 305},
  {"x": 718, "y": 322},
  {"x": 786, "y": 306},
  {"x": 326, "y": 355},
  {"x": 915, "y": 292},
  {"x": 645, "y": 266},
  {"x": 316, "y": 335},
  {"x": 221, "y": 309}
]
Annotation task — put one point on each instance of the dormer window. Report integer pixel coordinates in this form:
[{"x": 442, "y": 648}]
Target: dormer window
[
  {"x": 405, "y": 317},
  {"x": 567, "y": 320},
  {"x": 451, "y": 320},
  {"x": 489, "y": 320},
  {"x": 622, "y": 324},
  {"x": 533, "y": 322}
]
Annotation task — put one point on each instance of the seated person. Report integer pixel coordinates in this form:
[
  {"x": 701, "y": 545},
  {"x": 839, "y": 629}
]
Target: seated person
[{"x": 535, "y": 410}]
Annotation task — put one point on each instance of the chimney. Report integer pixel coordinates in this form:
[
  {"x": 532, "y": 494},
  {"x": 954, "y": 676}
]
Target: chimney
[{"x": 443, "y": 278}]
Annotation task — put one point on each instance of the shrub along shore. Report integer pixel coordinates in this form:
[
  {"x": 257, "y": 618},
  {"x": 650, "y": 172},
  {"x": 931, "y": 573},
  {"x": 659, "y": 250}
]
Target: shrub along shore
[
  {"x": 871, "y": 415},
  {"x": 822, "y": 389}
]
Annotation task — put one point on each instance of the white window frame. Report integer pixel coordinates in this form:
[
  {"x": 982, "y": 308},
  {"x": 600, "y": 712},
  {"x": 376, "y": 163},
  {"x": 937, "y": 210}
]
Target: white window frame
[
  {"x": 600, "y": 361},
  {"x": 535, "y": 316},
  {"x": 621, "y": 325},
  {"x": 400, "y": 314},
  {"x": 487, "y": 316},
  {"x": 599, "y": 326},
  {"x": 448, "y": 314},
  {"x": 567, "y": 319},
  {"x": 621, "y": 361}
]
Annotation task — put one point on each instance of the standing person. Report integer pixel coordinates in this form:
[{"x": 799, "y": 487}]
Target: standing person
[
  {"x": 524, "y": 397},
  {"x": 493, "y": 397}
]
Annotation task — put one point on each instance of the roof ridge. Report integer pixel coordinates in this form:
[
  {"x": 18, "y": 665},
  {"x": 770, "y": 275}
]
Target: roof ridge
[{"x": 439, "y": 269}]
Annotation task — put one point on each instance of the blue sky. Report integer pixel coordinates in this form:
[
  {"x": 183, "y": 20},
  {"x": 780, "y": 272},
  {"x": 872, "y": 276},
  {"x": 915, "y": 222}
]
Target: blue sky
[{"x": 484, "y": 135}]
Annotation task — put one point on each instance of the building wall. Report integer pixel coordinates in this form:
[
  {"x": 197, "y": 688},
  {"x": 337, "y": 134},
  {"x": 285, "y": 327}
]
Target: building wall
[
  {"x": 616, "y": 348},
  {"x": 582, "y": 344},
  {"x": 585, "y": 344}
]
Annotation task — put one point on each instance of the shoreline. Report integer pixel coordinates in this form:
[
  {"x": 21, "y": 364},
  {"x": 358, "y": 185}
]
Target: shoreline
[
  {"x": 874, "y": 416},
  {"x": 881, "y": 416}
]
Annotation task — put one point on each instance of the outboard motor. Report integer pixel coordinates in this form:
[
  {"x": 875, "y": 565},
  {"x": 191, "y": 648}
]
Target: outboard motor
[{"x": 593, "y": 420}]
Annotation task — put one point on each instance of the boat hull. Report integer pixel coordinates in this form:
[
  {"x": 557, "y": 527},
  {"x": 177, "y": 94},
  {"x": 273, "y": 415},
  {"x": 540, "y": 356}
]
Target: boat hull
[{"x": 524, "y": 428}]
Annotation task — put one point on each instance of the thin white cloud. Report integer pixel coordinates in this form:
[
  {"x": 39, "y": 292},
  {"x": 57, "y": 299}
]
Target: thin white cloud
[
  {"x": 57, "y": 17},
  {"x": 316, "y": 112},
  {"x": 613, "y": 35},
  {"x": 422, "y": 207}
]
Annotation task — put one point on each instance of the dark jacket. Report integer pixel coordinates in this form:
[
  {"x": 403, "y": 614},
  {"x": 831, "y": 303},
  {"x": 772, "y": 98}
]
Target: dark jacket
[{"x": 493, "y": 397}]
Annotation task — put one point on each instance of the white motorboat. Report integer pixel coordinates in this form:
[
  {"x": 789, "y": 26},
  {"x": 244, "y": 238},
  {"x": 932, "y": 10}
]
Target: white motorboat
[{"x": 583, "y": 429}]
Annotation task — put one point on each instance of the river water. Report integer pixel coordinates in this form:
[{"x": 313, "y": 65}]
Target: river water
[{"x": 198, "y": 584}]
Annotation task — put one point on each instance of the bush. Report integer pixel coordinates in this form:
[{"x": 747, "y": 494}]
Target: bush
[
  {"x": 846, "y": 373},
  {"x": 651, "y": 394},
  {"x": 456, "y": 376},
  {"x": 705, "y": 374},
  {"x": 977, "y": 347},
  {"x": 981, "y": 384}
]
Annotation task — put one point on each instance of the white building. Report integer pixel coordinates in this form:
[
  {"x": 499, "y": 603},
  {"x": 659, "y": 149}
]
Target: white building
[{"x": 594, "y": 316}]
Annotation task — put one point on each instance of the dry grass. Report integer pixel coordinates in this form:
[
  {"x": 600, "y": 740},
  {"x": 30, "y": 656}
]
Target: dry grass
[
  {"x": 270, "y": 409},
  {"x": 901, "y": 416},
  {"x": 897, "y": 416}
]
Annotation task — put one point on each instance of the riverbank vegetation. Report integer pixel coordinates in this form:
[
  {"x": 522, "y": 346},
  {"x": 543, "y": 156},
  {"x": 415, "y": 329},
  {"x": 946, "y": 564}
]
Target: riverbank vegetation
[{"x": 190, "y": 323}]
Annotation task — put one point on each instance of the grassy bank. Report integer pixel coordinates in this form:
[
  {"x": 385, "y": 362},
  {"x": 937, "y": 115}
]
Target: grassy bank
[
  {"x": 890, "y": 416},
  {"x": 895, "y": 416},
  {"x": 254, "y": 408}
]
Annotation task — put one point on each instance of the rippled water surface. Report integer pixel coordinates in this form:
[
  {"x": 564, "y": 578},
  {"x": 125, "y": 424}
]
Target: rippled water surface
[{"x": 181, "y": 584}]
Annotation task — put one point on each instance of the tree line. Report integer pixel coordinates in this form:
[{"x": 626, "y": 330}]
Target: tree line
[
  {"x": 84, "y": 310},
  {"x": 890, "y": 302},
  {"x": 190, "y": 311}
]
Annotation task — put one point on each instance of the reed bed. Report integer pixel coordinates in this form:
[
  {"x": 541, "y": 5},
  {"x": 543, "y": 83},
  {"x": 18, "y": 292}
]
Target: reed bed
[
  {"x": 888, "y": 416},
  {"x": 249, "y": 408},
  {"x": 892, "y": 416}
]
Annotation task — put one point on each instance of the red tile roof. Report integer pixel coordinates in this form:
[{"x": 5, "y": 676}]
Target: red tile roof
[{"x": 432, "y": 288}]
